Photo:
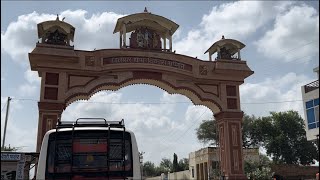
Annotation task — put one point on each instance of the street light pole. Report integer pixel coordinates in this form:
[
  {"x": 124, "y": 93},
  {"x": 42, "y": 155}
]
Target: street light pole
[{"x": 6, "y": 121}]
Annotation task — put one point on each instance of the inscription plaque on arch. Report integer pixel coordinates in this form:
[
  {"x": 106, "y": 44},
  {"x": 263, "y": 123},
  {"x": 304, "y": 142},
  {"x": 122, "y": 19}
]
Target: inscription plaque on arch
[{"x": 147, "y": 60}]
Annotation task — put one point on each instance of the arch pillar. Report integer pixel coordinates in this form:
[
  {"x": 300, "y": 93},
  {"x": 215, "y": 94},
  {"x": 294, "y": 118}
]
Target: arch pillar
[
  {"x": 49, "y": 114},
  {"x": 230, "y": 139}
]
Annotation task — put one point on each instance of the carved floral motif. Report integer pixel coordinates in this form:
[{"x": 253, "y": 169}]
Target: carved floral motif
[
  {"x": 203, "y": 70},
  {"x": 90, "y": 61}
]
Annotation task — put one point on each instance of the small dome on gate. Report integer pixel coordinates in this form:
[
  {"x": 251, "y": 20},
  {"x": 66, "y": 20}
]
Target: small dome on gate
[
  {"x": 226, "y": 49},
  {"x": 148, "y": 30},
  {"x": 56, "y": 32}
]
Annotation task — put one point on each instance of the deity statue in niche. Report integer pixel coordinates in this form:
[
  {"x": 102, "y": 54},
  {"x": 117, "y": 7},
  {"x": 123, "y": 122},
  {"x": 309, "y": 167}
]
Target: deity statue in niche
[
  {"x": 155, "y": 40},
  {"x": 56, "y": 37},
  {"x": 140, "y": 39},
  {"x": 224, "y": 54},
  {"x": 145, "y": 38}
]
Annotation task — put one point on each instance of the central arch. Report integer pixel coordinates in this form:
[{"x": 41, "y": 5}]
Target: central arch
[
  {"x": 68, "y": 75},
  {"x": 164, "y": 81}
]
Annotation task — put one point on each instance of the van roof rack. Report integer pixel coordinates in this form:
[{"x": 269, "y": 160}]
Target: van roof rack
[{"x": 90, "y": 122}]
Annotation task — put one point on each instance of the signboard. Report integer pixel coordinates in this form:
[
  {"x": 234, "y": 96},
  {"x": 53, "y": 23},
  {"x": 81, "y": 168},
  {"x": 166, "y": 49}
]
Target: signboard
[
  {"x": 20, "y": 171},
  {"x": 20, "y": 168},
  {"x": 8, "y": 170},
  {"x": 10, "y": 156},
  {"x": 147, "y": 60},
  {"x": 12, "y": 166}
]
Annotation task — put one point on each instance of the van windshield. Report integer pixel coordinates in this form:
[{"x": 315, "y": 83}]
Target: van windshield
[{"x": 86, "y": 155}]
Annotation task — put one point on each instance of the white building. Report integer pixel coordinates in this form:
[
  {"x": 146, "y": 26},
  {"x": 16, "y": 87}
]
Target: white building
[
  {"x": 310, "y": 96},
  {"x": 204, "y": 163}
]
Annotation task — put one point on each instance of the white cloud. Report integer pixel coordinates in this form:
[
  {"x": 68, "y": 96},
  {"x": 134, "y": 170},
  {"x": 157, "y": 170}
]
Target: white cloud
[
  {"x": 18, "y": 136},
  {"x": 280, "y": 89},
  {"x": 299, "y": 26},
  {"x": 27, "y": 90},
  {"x": 238, "y": 19},
  {"x": 235, "y": 20},
  {"x": 136, "y": 114},
  {"x": 194, "y": 113},
  {"x": 12, "y": 131},
  {"x": 155, "y": 125},
  {"x": 20, "y": 37},
  {"x": 32, "y": 77},
  {"x": 94, "y": 32}
]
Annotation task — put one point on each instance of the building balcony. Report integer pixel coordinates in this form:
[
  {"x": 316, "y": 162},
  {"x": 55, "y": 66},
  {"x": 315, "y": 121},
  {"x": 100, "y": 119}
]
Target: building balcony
[{"x": 311, "y": 86}]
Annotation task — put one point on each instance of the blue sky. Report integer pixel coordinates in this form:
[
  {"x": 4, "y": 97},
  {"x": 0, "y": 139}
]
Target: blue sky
[{"x": 281, "y": 47}]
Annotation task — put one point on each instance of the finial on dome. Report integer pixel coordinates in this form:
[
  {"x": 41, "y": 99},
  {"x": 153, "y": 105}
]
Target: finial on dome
[
  {"x": 145, "y": 9},
  {"x": 222, "y": 37},
  {"x": 57, "y": 18}
]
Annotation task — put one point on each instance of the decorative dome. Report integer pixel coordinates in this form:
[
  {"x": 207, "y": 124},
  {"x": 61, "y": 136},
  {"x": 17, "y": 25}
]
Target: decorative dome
[
  {"x": 149, "y": 31},
  {"x": 226, "y": 48},
  {"x": 146, "y": 19},
  {"x": 56, "y": 32},
  {"x": 231, "y": 44}
]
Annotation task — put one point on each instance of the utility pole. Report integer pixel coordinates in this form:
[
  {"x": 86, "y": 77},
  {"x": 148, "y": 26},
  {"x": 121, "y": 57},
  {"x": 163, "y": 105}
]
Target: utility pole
[{"x": 6, "y": 121}]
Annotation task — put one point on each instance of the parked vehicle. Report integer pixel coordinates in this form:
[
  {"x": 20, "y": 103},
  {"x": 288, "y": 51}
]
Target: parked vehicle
[{"x": 89, "y": 149}]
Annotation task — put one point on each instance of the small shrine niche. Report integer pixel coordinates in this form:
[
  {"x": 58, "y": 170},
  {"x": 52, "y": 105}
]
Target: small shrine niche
[
  {"x": 56, "y": 32},
  {"x": 145, "y": 38},
  {"x": 147, "y": 31},
  {"x": 226, "y": 49}
]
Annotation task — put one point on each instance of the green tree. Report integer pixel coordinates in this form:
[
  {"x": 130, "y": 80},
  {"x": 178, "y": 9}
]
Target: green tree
[
  {"x": 8, "y": 148},
  {"x": 207, "y": 132},
  {"x": 247, "y": 136},
  {"x": 258, "y": 170},
  {"x": 165, "y": 165},
  {"x": 175, "y": 165},
  {"x": 284, "y": 137},
  {"x": 183, "y": 164},
  {"x": 149, "y": 169},
  {"x": 159, "y": 170}
]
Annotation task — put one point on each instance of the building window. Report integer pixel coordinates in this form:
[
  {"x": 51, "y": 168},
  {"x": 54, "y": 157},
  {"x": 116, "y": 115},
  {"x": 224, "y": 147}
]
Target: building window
[
  {"x": 215, "y": 164},
  {"x": 312, "y": 108},
  {"x": 192, "y": 172},
  {"x": 309, "y": 104}
]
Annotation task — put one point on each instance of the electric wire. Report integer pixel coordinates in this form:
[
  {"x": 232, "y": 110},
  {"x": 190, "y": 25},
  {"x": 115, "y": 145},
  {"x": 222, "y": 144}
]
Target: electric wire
[{"x": 178, "y": 102}]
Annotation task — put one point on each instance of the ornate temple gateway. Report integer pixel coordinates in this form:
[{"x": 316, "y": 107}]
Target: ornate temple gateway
[{"x": 145, "y": 56}]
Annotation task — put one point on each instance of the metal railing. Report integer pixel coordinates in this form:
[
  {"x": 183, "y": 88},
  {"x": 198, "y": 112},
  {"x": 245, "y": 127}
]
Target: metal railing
[
  {"x": 311, "y": 86},
  {"x": 99, "y": 122}
]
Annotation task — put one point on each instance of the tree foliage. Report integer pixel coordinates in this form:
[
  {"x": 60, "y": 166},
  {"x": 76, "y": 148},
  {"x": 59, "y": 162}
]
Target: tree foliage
[
  {"x": 149, "y": 169},
  {"x": 258, "y": 170},
  {"x": 166, "y": 165},
  {"x": 284, "y": 137},
  {"x": 175, "y": 165},
  {"x": 282, "y": 134},
  {"x": 183, "y": 164},
  {"x": 207, "y": 132},
  {"x": 247, "y": 137},
  {"x": 8, "y": 148}
]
